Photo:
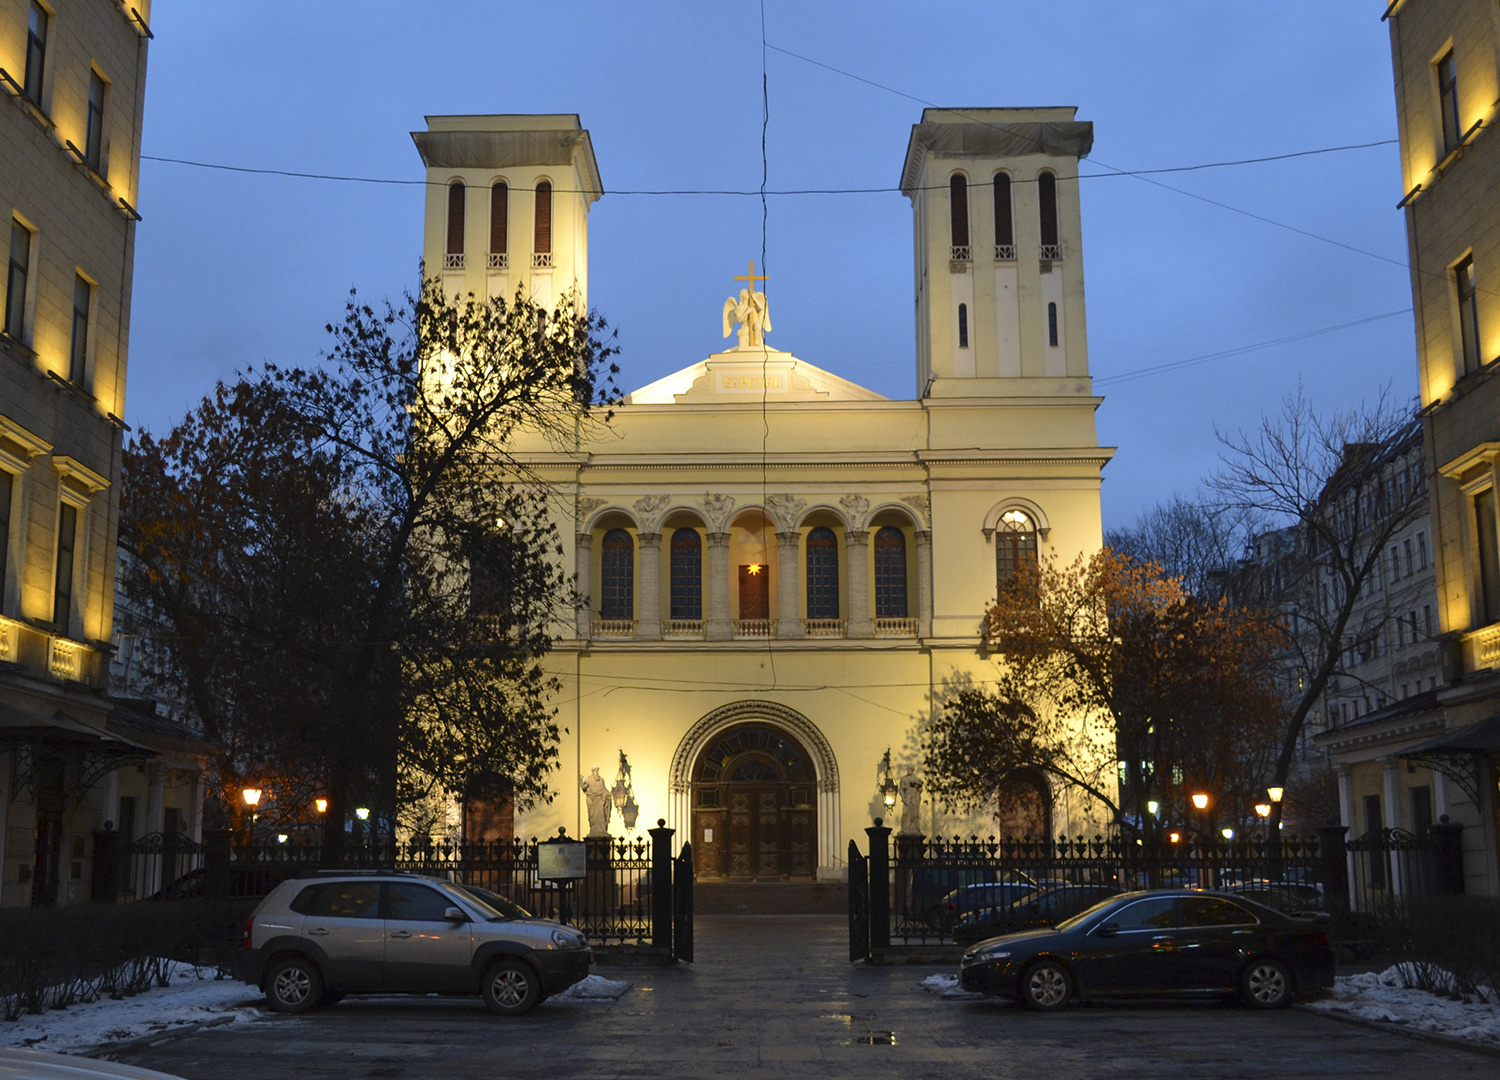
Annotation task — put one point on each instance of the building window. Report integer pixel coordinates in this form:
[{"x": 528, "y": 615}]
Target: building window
[
  {"x": 454, "y": 251},
  {"x": 1447, "y": 80},
  {"x": 617, "y": 576},
  {"x": 1427, "y": 618},
  {"x": 1005, "y": 229},
  {"x": 1421, "y": 551},
  {"x": 822, "y": 574},
  {"x": 15, "y": 280},
  {"x": 1406, "y": 552},
  {"x": 78, "y": 358},
  {"x": 687, "y": 574},
  {"x": 1489, "y": 555},
  {"x": 890, "y": 573},
  {"x": 499, "y": 223},
  {"x": 1046, "y": 195},
  {"x": 1052, "y": 324},
  {"x": 62, "y": 592},
  {"x": 958, "y": 215},
  {"x": 1015, "y": 545},
  {"x": 36, "y": 53},
  {"x": 93, "y": 145},
  {"x": 541, "y": 243},
  {"x": 1468, "y": 313},
  {"x": 963, "y": 326}
]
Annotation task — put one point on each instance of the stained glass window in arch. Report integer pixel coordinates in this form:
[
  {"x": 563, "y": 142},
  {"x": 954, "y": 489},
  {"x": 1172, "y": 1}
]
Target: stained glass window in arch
[
  {"x": 687, "y": 574},
  {"x": 1015, "y": 544},
  {"x": 890, "y": 573},
  {"x": 822, "y": 574},
  {"x": 617, "y": 576}
]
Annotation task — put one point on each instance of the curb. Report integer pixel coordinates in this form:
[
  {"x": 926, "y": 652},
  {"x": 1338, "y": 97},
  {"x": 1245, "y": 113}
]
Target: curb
[
  {"x": 1447, "y": 1041},
  {"x": 156, "y": 1038}
]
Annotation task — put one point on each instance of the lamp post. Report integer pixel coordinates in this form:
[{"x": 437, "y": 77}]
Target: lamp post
[
  {"x": 887, "y": 785},
  {"x": 622, "y": 794},
  {"x": 251, "y": 795},
  {"x": 1273, "y": 831},
  {"x": 1200, "y": 803}
]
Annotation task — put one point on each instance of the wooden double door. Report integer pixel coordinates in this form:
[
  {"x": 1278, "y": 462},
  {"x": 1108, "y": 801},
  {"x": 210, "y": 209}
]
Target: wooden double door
[{"x": 753, "y": 818}]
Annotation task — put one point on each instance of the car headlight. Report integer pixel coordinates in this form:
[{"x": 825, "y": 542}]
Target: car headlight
[
  {"x": 562, "y": 939},
  {"x": 991, "y": 953}
]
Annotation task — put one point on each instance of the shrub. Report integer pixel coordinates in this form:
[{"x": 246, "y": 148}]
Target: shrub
[{"x": 1451, "y": 945}]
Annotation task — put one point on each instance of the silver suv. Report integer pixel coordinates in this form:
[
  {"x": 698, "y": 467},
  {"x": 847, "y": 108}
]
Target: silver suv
[{"x": 315, "y": 938}]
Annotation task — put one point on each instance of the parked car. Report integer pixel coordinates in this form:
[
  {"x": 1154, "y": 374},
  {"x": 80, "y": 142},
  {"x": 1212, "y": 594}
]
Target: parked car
[
  {"x": 1288, "y": 897},
  {"x": 1044, "y": 907},
  {"x": 320, "y": 936},
  {"x": 1163, "y": 942},
  {"x": 243, "y": 883},
  {"x": 1009, "y": 886},
  {"x": 18, "y": 1064}
]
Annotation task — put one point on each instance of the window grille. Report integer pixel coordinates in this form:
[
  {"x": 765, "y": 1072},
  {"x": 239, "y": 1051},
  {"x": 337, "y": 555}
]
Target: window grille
[
  {"x": 617, "y": 576},
  {"x": 687, "y": 575},
  {"x": 822, "y": 574},
  {"x": 890, "y": 573}
]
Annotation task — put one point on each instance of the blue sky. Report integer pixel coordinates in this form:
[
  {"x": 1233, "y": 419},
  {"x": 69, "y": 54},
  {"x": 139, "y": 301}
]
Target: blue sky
[{"x": 234, "y": 269}]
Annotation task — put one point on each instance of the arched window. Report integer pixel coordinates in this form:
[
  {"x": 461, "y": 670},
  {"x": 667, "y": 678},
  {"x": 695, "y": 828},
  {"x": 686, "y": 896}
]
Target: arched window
[
  {"x": 958, "y": 215},
  {"x": 687, "y": 574},
  {"x": 1015, "y": 544},
  {"x": 890, "y": 573},
  {"x": 1046, "y": 197},
  {"x": 963, "y": 326},
  {"x": 1052, "y": 324},
  {"x": 822, "y": 574},
  {"x": 617, "y": 576},
  {"x": 454, "y": 253},
  {"x": 499, "y": 222},
  {"x": 1005, "y": 228},
  {"x": 541, "y": 243}
]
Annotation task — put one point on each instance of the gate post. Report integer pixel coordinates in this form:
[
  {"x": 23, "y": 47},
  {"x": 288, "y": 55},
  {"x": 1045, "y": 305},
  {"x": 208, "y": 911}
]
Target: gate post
[
  {"x": 880, "y": 887},
  {"x": 661, "y": 885},
  {"x": 1448, "y": 849},
  {"x": 216, "y": 855},
  {"x": 1333, "y": 851}
]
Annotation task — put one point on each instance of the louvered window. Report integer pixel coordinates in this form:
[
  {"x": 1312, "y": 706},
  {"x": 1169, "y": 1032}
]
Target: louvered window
[
  {"x": 1046, "y": 194},
  {"x": 958, "y": 215},
  {"x": 542, "y": 243},
  {"x": 1005, "y": 227},
  {"x": 499, "y": 222},
  {"x": 455, "y": 226}
]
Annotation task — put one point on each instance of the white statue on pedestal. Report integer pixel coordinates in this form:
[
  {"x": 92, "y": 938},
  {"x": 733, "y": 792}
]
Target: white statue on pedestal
[
  {"x": 596, "y": 795},
  {"x": 750, "y": 311},
  {"x": 911, "y": 806}
]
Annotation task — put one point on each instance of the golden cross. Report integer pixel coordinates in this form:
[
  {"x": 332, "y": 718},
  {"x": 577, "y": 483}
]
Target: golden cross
[{"x": 752, "y": 278}]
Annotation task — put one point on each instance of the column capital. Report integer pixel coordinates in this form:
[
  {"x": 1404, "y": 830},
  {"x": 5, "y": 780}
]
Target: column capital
[
  {"x": 793, "y": 537},
  {"x": 648, "y": 539},
  {"x": 717, "y": 539},
  {"x": 583, "y": 539},
  {"x": 856, "y": 536}
]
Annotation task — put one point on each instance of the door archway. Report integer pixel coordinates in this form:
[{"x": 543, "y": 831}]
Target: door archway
[{"x": 754, "y": 794}]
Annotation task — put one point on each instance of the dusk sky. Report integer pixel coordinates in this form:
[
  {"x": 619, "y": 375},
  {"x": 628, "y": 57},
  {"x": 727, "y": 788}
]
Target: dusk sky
[{"x": 234, "y": 268}]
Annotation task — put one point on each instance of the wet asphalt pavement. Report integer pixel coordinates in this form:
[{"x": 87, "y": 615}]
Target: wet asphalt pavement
[{"x": 776, "y": 996}]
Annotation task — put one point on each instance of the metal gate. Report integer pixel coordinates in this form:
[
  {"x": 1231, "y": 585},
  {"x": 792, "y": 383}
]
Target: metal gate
[
  {"x": 682, "y": 905},
  {"x": 859, "y": 905}
]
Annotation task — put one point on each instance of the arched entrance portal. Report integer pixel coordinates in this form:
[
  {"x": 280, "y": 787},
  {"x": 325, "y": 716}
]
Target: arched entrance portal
[
  {"x": 1023, "y": 806},
  {"x": 754, "y": 793}
]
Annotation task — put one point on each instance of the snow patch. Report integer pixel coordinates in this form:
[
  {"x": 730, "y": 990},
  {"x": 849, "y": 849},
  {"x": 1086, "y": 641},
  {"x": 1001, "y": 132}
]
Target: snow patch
[
  {"x": 593, "y": 988},
  {"x": 1384, "y": 996},
  {"x": 946, "y": 986}
]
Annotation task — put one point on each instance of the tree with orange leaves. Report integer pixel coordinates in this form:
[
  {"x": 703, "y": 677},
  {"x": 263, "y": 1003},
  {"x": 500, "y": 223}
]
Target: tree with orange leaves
[{"x": 1112, "y": 678}]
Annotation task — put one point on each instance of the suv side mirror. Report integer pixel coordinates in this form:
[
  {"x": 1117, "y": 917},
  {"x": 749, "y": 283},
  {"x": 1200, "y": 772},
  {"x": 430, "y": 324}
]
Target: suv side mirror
[
  {"x": 1109, "y": 929},
  {"x": 455, "y": 914}
]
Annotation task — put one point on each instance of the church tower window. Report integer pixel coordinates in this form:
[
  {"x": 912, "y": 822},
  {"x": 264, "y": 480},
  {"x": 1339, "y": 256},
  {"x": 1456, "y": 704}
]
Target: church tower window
[
  {"x": 1015, "y": 545},
  {"x": 687, "y": 574},
  {"x": 617, "y": 576},
  {"x": 890, "y": 573},
  {"x": 1046, "y": 197},
  {"x": 822, "y": 574},
  {"x": 453, "y": 254},
  {"x": 541, "y": 244},
  {"x": 1052, "y": 325},
  {"x": 963, "y": 326},
  {"x": 958, "y": 213},
  {"x": 499, "y": 222},
  {"x": 1005, "y": 226}
]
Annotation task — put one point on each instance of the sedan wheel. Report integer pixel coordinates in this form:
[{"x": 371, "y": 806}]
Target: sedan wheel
[
  {"x": 1266, "y": 984},
  {"x": 1046, "y": 986},
  {"x": 294, "y": 985},
  {"x": 511, "y": 988}
]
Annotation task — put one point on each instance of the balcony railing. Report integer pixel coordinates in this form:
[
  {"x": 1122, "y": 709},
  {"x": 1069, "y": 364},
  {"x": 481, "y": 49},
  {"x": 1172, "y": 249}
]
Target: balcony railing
[
  {"x": 896, "y": 628},
  {"x": 824, "y": 627},
  {"x": 1481, "y": 649},
  {"x": 10, "y": 641},
  {"x": 46, "y": 654},
  {"x": 1048, "y": 252},
  {"x": 66, "y": 659},
  {"x": 682, "y": 629},
  {"x": 612, "y": 629},
  {"x": 958, "y": 253},
  {"x": 541, "y": 260},
  {"x": 499, "y": 260},
  {"x": 453, "y": 261},
  {"x": 1005, "y": 252},
  {"x": 753, "y": 628}
]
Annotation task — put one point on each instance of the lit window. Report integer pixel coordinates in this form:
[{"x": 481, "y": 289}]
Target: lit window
[
  {"x": 1447, "y": 79},
  {"x": 617, "y": 576},
  {"x": 958, "y": 215},
  {"x": 1015, "y": 545},
  {"x": 687, "y": 574},
  {"x": 890, "y": 573},
  {"x": 963, "y": 326},
  {"x": 542, "y": 239},
  {"x": 79, "y": 354},
  {"x": 454, "y": 251},
  {"x": 93, "y": 145},
  {"x": 15, "y": 280},
  {"x": 1468, "y": 313},
  {"x": 36, "y": 53},
  {"x": 822, "y": 574},
  {"x": 62, "y": 593}
]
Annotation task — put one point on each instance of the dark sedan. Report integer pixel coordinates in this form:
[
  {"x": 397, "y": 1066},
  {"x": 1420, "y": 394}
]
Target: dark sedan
[
  {"x": 1166, "y": 942},
  {"x": 1045, "y": 907}
]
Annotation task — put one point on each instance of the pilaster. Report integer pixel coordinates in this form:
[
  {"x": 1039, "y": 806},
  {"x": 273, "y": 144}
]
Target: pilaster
[
  {"x": 716, "y": 626},
  {"x": 857, "y": 556},
  {"x": 648, "y": 608},
  {"x": 583, "y": 547},
  {"x": 788, "y": 578}
]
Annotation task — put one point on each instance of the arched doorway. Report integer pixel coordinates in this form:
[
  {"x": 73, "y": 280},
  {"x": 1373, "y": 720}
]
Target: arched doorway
[
  {"x": 753, "y": 796},
  {"x": 489, "y": 812},
  {"x": 1023, "y": 806}
]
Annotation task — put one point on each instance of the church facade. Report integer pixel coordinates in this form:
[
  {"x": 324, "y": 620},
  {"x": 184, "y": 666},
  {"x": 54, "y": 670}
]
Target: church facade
[{"x": 786, "y": 572}]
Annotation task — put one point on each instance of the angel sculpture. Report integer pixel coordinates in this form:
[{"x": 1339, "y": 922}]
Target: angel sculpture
[{"x": 750, "y": 311}]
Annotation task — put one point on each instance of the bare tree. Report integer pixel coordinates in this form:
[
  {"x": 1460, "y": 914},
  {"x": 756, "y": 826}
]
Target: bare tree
[{"x": 1197, "y": 541}]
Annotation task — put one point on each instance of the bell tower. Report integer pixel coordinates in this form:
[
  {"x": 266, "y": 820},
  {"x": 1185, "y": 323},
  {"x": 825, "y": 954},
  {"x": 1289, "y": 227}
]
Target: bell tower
[
  {"x": 999, "y": 251},
  {"x": 508, "y": 201}
]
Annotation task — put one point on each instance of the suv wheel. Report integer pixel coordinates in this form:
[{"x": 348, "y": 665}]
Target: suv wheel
[
  {"x": 510, "y": 988},
  {"x": 294, "y": 985}
]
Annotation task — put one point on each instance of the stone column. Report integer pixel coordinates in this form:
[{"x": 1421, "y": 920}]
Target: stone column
[
  {"x": 924, "y": 583},
  {"x": 788, "y": 584},
  {"x": 648, "y": 606},
  {"x": 1390, "y": 794},
  {"x": 857, "y": 555},
  {"x": 716, "y": 626},
  {"x": 583, "y": 554},
  {"x": 156, "y": 783}
]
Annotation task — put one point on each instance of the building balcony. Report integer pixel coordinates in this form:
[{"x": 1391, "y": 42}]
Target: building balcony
[
  {"x": 499, "y": 260},
  {"x": 1481, "y": 648},
  {"x": 453, "y": 261},
  {"x": 824, "y": 628},
  {"x": 682, "y": 630},
  {"x": 48, "y": 655},
  {"x": 1050, "y": 252},
  {"x": 752, "y": 628},
  {"x": 1005, "y": 252},
  {"x": 959, "y": 253},
  {"x": 541, "y": 260},
  {"x": 895, "y": 628},
  {"x": 612, "y": 629}
]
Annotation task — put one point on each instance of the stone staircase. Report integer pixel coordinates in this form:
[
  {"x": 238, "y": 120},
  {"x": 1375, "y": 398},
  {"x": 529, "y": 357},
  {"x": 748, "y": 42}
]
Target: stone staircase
[{"x": 770, "y": 898}]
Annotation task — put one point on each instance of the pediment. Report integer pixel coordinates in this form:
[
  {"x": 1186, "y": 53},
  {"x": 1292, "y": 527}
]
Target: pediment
[{"x": 745, "y": 376}]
